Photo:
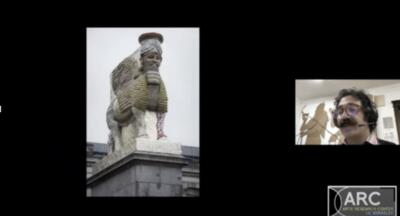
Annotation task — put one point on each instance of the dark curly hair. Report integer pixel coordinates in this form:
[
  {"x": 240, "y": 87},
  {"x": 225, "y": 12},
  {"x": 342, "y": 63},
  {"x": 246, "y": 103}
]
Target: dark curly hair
[{"x": 368, "y": 107}]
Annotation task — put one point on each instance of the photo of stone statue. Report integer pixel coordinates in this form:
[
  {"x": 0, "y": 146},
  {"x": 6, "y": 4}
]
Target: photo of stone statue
[
  {"x": 135, "y": 77},
  {"x": 139, "y": 99}
]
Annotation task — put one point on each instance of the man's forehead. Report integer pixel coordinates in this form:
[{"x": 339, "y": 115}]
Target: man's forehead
[{"x": 349, "y": 99}]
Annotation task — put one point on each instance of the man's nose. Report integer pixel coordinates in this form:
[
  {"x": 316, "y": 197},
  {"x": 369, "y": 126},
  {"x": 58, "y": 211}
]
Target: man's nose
[{"x": 344, "y": 115}]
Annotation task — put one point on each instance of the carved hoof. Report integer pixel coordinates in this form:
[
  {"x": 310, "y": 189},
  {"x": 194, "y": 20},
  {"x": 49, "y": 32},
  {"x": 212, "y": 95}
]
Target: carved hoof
[
  {"x": 144, "y": 136},
  {"x": 162, "y": 138}
]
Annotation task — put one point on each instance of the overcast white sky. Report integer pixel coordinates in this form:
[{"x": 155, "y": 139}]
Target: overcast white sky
[{"x": 107, "y": 47}]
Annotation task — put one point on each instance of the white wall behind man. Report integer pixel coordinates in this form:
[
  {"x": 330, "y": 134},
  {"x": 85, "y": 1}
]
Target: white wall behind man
[
  {"x": 107, "y": 47},
  {"x": 391, "y": 93}
]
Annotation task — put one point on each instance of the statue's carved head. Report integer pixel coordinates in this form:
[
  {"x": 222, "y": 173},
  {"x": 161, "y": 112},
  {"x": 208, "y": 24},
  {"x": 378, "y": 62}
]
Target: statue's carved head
[
  {"x": 136, "y": 81},
  {"x": 151, "y": 61},
  {"x": 151, "y": 56}
]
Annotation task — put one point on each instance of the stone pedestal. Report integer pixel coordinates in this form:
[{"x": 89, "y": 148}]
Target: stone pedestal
[{"x": 148, "y": 168}]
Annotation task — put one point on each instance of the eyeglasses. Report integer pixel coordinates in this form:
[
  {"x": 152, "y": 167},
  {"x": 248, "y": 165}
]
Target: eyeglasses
[{"x": 350, "y": 109}]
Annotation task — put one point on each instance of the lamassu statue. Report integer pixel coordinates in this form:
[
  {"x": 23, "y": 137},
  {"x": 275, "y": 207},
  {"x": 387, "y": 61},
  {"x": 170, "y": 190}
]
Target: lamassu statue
[{"x": 138, "y": 96}]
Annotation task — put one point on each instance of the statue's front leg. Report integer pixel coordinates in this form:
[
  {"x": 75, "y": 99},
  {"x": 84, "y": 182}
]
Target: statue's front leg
[
  {"x": 117, "y": 138},
  {"x": 139, "y": 123}
]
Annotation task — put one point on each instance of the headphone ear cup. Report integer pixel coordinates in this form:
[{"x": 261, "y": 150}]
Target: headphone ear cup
[{"x": 373, "y": 113}]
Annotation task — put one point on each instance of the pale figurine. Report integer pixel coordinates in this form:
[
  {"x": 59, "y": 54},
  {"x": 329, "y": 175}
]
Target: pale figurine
[{"x": 138, "y": 96}]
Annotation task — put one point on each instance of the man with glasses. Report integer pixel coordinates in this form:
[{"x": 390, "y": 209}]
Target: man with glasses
[{"x": 356, "y": 116}]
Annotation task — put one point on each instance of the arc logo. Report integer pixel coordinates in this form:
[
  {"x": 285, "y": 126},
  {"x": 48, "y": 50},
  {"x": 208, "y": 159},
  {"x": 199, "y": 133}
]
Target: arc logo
[{"x": 362, "y": 200}]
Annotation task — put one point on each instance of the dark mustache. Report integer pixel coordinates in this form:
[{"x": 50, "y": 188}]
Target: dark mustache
[{"x": 347, "y": 122}]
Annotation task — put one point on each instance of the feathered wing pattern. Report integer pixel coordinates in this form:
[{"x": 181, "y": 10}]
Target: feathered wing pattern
[
  {"x": 125, "y": 71},
  {"x": 122, "y": 76}
]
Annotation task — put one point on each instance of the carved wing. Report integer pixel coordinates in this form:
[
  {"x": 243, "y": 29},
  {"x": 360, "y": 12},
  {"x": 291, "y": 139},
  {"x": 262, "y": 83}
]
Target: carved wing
[
  {"x": 123, "y": 73},
  {"x": 121, "y": 77}
]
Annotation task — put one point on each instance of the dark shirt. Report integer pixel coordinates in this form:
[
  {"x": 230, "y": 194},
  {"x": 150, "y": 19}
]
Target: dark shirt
[{"x": 380, "y": 142}]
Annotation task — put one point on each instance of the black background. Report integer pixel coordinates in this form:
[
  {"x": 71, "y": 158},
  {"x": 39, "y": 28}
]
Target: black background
[{"x": 248, "y": 66}]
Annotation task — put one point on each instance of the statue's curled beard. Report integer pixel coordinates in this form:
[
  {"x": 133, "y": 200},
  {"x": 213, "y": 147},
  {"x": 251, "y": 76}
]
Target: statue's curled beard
[{"x": 152, "y": 74}]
